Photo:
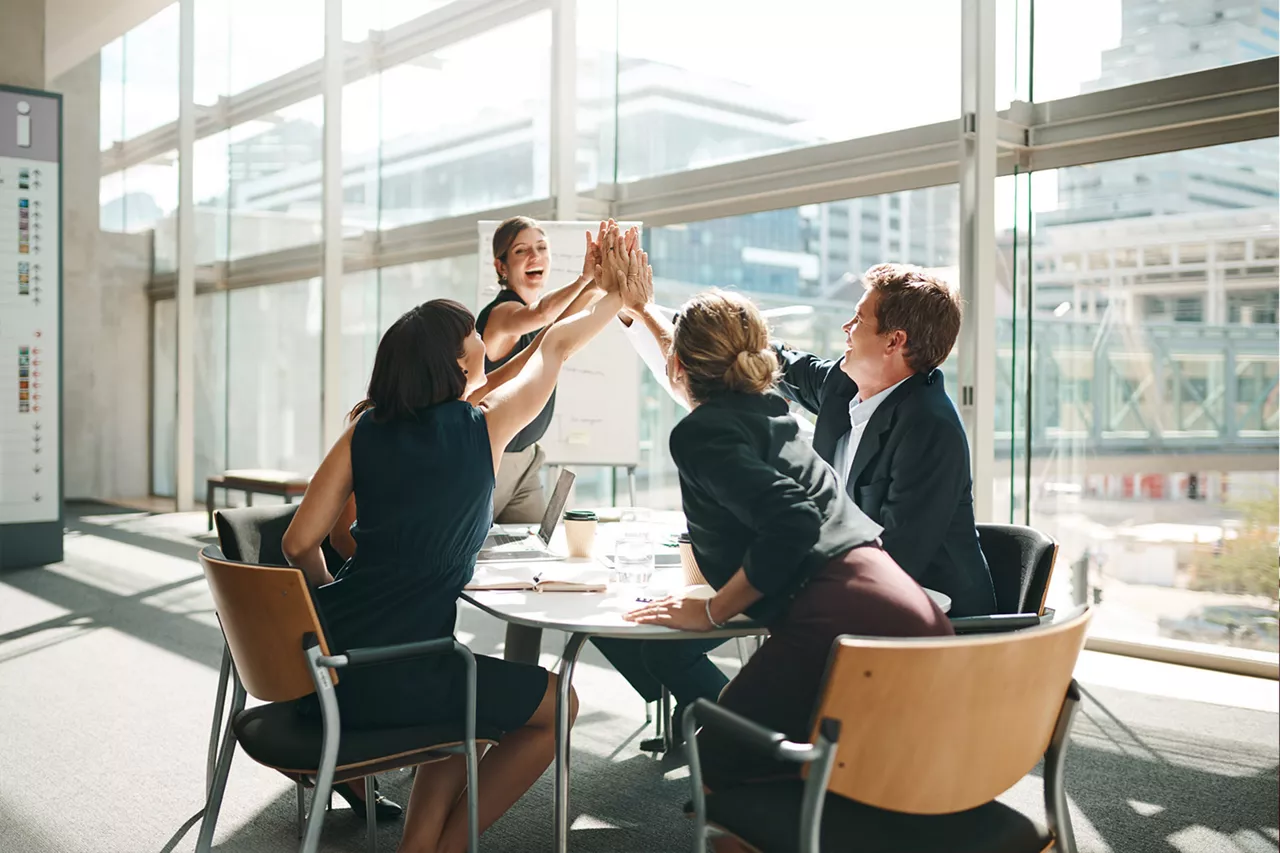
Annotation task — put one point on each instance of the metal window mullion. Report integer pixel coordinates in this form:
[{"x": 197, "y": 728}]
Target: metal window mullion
[
  {"x": 977, "y": 345},
  {"x": 564, "y": 112},
  {"x": 184, "y": 443},
  {"x": 331, "y": 402}
]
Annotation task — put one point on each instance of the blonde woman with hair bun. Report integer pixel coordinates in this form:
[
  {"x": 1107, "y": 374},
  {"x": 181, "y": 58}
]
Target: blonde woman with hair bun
[{"x": 771, "y": 529}]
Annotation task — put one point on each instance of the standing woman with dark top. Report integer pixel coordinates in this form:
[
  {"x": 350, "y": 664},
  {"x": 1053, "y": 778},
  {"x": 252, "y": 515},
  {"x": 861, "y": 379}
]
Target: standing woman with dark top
[
  {"x": 421, "y": 463},
  {"x": 771, "y": 528},
  {"x": 508, "y": 325}
]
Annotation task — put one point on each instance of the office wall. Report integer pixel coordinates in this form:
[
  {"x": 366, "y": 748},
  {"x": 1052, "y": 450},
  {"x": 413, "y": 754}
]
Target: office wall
[
  {"x": 105, "y": 316},
  {"x": 22, "y": 43}
]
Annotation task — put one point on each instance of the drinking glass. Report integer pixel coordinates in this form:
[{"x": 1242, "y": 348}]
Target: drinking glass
[{"x": 633, "y": 551}]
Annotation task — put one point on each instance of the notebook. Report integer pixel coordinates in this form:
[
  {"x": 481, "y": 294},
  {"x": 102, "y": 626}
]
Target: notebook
[{"x": 562, "y": 577}]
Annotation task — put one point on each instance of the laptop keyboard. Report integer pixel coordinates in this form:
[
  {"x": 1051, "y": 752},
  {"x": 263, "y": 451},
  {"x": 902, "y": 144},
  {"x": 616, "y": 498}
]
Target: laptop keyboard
[{"x": 496, "y": 540}]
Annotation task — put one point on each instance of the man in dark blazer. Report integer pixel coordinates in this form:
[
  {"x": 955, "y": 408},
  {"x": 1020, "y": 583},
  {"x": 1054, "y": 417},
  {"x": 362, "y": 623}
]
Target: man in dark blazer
[{"x": 887, "y": 427}]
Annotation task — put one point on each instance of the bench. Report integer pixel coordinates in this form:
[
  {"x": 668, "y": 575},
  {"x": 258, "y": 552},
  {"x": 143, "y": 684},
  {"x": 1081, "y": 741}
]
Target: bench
[{"x": 284, "y": 484}]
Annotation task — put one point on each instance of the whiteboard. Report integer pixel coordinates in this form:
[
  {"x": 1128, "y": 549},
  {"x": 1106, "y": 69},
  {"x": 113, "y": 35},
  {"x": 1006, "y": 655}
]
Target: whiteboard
[{"x": 597, "y": 415}]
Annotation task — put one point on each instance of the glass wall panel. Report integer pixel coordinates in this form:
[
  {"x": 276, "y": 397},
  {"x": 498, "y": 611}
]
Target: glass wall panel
[
  {"x": 210, "y": 392},
  {"x": 210, "y": 388},
  {"x": 268, "y": 38},
  {"x": 111, "y": 94},
  {"x": 803, "y": 267},
  {"x": 406, "y": 286},
  {"x": 274, "y": 167},
  {"x": 1153, "y": 405},
  {"x": 151, "y": 73},
  {"x": 1089, "y": 45},
  {"x": 210, "y": 191},
  {"x": 720, "y": 80},
  {"x": 360, "y": 334},
  {"x": 467, "y": 128},
  {"x": 361, "y": 17},
  {"x": 142, "y": 198},
  {"x": 273, "y": 376},
  {"x": 164, "y": 396}
]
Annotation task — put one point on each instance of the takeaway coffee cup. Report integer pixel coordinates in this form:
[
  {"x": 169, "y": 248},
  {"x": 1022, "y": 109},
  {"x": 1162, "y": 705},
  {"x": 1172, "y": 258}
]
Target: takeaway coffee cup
[
  {"x": 580, "y": 532},
  {"x": 692, "y": 575}
]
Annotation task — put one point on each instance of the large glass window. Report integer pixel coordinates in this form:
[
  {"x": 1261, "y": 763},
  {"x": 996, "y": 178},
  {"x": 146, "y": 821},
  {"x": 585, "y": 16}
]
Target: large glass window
[
  {"x": 274, "y": 180},
  {"x": 719, "y": 80},
  {"x": 164, "y": 396},
  {"x": 1089, "y": 45},
  {"x": 151, "y": 73},
  {"x": 273, "y": 377},
  {"x": 210, "y": 392},
  {"x": 802, "y": 266},
  {"x": 1153, "y": 404},
  {"x": 466, "y": 128}
]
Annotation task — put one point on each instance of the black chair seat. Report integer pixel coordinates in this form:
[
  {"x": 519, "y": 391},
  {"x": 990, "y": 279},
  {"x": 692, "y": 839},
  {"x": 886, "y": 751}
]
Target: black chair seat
[
  {"x": 277, "y": 736},
  {"x": 766, "y": 815}
]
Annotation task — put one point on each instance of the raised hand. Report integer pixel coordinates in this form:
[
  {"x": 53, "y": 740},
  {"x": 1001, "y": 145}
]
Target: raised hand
[{"x": 591, "y": 258}]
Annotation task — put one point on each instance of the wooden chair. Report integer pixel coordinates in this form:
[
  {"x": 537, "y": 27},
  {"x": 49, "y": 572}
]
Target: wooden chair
[
  {"x": 279, "y": 654},
  {"x": 254, "y": 535},
  {"x": 1021, "y": 560},
  {"x": 914, "y": 740}
]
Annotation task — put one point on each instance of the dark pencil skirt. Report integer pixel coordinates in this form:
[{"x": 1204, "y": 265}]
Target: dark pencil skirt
[{"x": 863, "y": 592}]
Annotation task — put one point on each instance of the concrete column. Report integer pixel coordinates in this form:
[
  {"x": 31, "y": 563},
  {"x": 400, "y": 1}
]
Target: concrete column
[{"x": 22, "y": 44}]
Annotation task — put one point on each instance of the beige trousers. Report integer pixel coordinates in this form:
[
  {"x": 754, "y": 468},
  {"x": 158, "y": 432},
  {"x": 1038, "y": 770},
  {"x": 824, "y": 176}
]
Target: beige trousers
[{"x": 517, "y": 494}]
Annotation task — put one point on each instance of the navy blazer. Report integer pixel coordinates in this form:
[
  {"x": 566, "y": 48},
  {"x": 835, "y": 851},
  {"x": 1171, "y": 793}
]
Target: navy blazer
[{"x": 910, "y": 474}]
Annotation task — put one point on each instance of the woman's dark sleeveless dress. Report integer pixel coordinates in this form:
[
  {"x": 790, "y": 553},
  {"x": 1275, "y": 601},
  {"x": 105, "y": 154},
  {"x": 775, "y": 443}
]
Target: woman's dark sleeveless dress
[{"x": 424, "y": 498}]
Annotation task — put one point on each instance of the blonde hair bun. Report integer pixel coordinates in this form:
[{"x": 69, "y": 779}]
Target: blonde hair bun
[{"x": 751, "y": 372}]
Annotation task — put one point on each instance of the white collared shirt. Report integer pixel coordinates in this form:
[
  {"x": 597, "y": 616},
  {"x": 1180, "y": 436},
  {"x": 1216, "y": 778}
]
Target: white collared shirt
[{"x": 860, "y": 412}]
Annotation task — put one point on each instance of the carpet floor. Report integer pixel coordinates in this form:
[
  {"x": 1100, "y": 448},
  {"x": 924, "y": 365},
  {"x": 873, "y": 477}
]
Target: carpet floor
[{"x": 109, "y": 663}]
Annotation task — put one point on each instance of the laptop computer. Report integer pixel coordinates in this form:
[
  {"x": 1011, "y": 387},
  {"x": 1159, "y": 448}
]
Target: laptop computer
[{"x": 501, "y": 546}]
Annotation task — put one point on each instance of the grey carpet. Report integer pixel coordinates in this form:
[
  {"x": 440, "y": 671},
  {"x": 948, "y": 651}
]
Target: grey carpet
[{"x": 108, "y": 664}]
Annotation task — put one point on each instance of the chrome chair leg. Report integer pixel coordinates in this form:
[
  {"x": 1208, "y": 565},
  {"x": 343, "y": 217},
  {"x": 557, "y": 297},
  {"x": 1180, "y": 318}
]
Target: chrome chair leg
[
  {"x": 218, "y": 786},
  {"x": 370, "y": 816},
  {"x": 302, "y": 807},
  {"x": 224, "y": 677}
]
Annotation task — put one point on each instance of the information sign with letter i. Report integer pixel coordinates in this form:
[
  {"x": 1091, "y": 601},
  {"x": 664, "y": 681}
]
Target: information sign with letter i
[{"x": 30, "y": 328}]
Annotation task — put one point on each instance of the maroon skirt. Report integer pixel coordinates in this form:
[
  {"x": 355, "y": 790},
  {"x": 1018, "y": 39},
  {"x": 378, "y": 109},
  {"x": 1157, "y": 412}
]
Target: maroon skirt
[{"x": 863, "y": 591}]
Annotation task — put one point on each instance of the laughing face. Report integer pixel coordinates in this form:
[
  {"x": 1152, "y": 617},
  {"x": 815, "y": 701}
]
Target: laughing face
[{"x": 528, "y": 260}]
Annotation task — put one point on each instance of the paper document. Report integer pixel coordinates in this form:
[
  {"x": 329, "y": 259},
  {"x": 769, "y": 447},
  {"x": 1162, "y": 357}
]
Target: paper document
[{"x": 541, "y": 577}]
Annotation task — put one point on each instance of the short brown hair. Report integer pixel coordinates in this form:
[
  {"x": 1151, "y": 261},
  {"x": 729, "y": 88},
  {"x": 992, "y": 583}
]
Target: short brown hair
[
  {"x": 507, "y": 233},
  {"x": 922, "y": 305},
  {"x": 722, "y": 341}
]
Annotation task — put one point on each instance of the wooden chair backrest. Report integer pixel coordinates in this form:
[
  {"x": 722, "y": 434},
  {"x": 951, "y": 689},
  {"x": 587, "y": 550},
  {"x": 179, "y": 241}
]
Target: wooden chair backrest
[
  {"x": 939, "y": 725},
  {"x": 265, "y": 611}
]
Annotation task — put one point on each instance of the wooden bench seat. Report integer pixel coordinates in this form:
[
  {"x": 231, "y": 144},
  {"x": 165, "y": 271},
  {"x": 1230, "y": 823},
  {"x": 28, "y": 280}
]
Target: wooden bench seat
[{"x": 251, "y": 481}]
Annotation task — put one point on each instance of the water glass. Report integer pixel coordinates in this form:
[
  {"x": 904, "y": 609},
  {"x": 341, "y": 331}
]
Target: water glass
[{"x": 633, "y": 552}]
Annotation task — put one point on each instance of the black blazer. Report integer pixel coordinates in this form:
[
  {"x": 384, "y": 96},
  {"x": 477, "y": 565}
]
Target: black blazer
[
  {"x": 910, "y": 474},
  {"x": 757, "y": 497}
]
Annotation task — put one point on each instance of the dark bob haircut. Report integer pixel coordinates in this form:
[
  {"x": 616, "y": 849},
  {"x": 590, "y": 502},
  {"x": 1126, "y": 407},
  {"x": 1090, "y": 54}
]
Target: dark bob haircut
[{"x": 417, "y": 361}]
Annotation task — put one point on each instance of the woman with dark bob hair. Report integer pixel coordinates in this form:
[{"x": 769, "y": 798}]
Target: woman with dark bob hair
[{"x": 421, "y": 461}]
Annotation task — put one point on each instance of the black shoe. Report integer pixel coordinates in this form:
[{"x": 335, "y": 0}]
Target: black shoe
[{"x": 383, "y": 809}]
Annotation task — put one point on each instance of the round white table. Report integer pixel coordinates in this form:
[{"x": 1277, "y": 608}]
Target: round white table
[{"x": 582, "y": 615}]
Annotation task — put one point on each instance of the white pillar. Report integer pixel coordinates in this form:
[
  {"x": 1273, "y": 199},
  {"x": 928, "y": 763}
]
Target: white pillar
[
  {"x": 185, "y": 426},
  {"x": 332, "y": 405},
  {"x": 564, "y": 108},
  {"x": 977, "y": 245}
]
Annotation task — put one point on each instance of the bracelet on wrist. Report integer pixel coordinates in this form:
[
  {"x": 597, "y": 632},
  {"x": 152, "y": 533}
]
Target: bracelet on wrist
[{"x": 710, "y": 618}]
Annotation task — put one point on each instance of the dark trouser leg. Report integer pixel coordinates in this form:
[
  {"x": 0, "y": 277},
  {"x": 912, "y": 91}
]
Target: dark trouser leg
[
  {"x": 685, "y": 669},
  {"x": 625, "y": 656},
  {"x": 681, "y": 665}
]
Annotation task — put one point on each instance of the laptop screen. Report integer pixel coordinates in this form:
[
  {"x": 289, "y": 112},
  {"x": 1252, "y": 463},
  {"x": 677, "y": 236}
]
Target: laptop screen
[{"x": 555, "y": 505}]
